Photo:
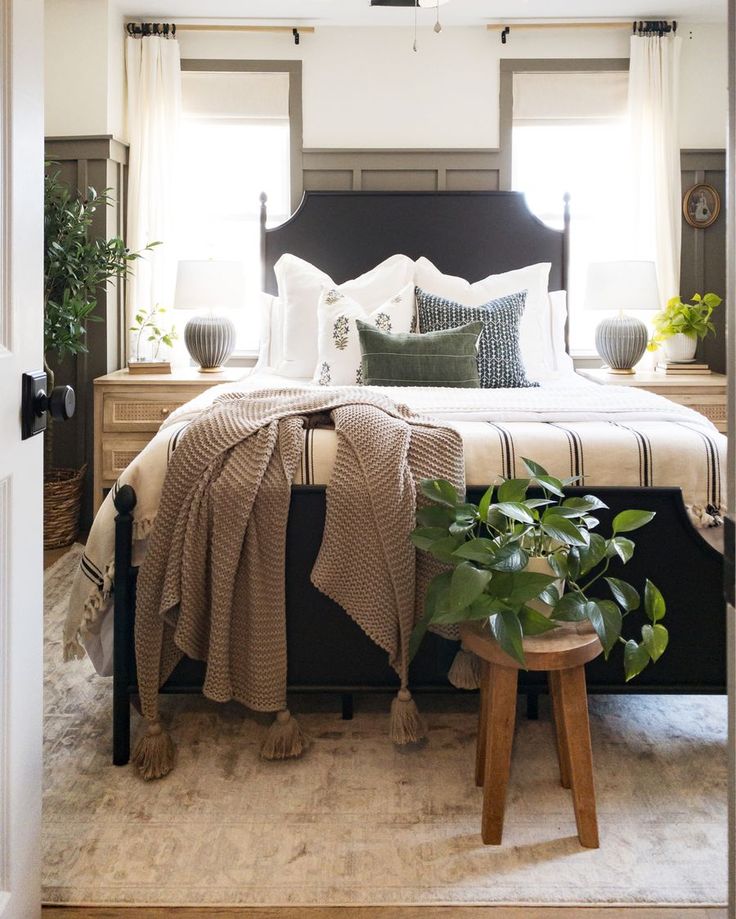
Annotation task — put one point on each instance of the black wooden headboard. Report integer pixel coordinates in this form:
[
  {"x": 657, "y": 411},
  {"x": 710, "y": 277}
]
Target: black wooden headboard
[{"x": 470, "y": 234}]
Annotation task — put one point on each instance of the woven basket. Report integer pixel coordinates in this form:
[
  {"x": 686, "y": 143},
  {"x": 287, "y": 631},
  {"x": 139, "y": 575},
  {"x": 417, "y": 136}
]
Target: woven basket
[{"x": 62, "y": 499}]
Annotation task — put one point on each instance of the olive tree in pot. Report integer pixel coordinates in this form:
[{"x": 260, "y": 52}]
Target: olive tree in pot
[
  {"x": 77, "y": 267},
  {"x": 527, "y": 565}
]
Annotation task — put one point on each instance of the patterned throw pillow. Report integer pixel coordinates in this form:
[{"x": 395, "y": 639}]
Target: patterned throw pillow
[
  {"x": 500, "y": 365},
  {"x": 338, "y": 362},
  {"x": 446, "y": 358}
]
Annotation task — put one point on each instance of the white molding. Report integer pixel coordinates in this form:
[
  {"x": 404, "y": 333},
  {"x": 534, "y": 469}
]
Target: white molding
[
  {"x": 6, "y": 321},
  {"x": 4, "y": 683}
]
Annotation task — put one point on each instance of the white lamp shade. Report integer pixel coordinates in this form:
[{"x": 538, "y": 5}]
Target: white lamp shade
[
  {"x": 209, "y": 284},
  {"x": 628, "y": 285}
]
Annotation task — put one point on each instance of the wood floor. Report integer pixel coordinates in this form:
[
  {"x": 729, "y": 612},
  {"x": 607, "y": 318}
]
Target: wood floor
[{"x": 388, "y": 912}]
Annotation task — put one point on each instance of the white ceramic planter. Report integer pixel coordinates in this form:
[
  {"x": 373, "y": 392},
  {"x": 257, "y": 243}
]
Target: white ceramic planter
[
  {"x": 542, "y": 566},
  {"x": 680, "y": 347}
]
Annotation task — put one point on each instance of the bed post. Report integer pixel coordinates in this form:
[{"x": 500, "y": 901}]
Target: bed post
[
  {"x": 566, "y": 264},
  {"x": 263, "y": 199},
  {"x": 124, "y": 500}
]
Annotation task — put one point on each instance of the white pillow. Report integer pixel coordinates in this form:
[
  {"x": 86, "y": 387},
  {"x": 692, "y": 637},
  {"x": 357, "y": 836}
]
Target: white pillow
[
  {"x": 269, "y": 307},
  {"x": 300, "y": 285},
  {"x": 535, "y": 330},
  {"x": 339, "y": 358},
  {"x": 558, "y": 305}
]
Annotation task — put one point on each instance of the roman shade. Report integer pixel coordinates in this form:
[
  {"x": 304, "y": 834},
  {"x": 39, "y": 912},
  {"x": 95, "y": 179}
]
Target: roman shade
[
  {"x": 569, "y": 97},
  {"x": 227, "y": 94}
]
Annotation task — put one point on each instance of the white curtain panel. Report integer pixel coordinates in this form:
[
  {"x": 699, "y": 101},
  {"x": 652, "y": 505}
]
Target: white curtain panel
[
  {"x": 655, "y": 156},
  {"x": 153, "y": 71}
]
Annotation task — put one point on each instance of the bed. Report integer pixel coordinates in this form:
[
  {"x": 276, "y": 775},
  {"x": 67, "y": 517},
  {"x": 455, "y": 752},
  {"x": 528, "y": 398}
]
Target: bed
[{"x": 469, "y": 235}]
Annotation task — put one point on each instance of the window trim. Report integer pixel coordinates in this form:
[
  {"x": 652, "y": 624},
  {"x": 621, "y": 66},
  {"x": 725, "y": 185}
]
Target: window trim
[
  {"x": 296, "y": 121},
  {"x": 511, "y": 66}
]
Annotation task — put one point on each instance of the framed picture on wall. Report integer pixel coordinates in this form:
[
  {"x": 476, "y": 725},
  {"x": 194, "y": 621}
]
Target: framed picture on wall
[{"x": 701, "y": 206}]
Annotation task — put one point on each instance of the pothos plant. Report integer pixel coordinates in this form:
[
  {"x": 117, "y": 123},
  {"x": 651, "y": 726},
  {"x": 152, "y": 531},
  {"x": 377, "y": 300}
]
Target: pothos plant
[
  {"x": 488, "y": 547},
  {"x": 691, "y": 319}
]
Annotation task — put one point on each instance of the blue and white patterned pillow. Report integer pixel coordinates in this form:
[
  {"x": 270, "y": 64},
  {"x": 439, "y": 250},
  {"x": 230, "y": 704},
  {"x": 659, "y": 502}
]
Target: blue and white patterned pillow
[{"x": 500, "y": 365}]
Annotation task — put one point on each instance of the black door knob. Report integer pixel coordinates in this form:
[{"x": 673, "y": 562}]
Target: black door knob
[{"x": 60, "y": 404}]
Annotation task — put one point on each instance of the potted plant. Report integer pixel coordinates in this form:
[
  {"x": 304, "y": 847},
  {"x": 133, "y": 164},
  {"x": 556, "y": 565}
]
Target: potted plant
[
  {"x": 680, "y": 325},
  {"x": 525, "y": 565},
  {"x": 147, "y": 326},
  {"x": 76, "y": 266}
]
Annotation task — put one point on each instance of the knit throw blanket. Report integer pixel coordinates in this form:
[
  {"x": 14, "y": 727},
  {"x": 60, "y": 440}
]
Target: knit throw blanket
[{"x": 212, "y": 585}]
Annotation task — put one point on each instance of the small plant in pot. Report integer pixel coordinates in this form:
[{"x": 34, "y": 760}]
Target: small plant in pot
[
  {"x": 76, "y": 267},
  {"x": 526, "y": 565},
  {"x": 680, "y": 325}
]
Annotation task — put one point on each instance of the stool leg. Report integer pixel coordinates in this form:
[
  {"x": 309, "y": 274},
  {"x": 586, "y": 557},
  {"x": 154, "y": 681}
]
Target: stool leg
[
  {"x": 480, "y": 746},
  {"x": 574, "y": 706},
  {"x": 563, "y": 754},
  {"x": 500, "y": 722}
]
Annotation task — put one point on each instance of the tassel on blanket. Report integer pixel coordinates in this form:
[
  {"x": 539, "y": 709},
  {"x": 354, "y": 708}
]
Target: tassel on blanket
[
  {"x": 73, "y": 650},
  {"x": 406, "y": 722},
  {"x": 285, "y": 738},
  {"x": 154, "y": 753},
  {"x": 465, "y": 670}
]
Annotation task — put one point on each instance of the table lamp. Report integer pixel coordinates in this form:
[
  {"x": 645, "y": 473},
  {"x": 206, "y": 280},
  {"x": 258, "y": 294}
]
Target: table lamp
[
  {"x": 209, "y": 285},
  {"x": 627, "y": 285}
]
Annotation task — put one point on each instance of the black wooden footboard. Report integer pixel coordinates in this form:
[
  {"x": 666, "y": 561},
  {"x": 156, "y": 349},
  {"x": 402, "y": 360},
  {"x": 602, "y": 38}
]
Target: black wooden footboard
[{"x": 328, "y": 652}]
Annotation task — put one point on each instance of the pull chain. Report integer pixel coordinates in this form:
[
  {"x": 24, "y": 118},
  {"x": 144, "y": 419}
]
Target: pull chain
[{"x": 416, "y": 7}]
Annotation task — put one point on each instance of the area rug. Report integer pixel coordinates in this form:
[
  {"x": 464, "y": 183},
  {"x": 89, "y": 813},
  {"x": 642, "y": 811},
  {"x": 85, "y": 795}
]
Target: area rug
[{"x": 356, "y": 822}]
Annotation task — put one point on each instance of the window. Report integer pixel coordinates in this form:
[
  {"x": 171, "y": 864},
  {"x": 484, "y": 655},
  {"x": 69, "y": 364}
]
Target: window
[
  {"x": 235, "y": 144},
  {"x": 570, "y": 135}
]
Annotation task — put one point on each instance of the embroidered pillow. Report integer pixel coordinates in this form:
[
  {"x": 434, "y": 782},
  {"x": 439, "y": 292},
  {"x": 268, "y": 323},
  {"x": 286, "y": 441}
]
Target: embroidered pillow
[
  {"x": 500, "y": 365},
  {"x": 338, "y": 344},
  {"x": 444, "y": 358}
]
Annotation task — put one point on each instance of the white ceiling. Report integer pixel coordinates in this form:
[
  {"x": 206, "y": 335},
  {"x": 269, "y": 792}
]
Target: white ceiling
[{"x": 456, "y": 12}]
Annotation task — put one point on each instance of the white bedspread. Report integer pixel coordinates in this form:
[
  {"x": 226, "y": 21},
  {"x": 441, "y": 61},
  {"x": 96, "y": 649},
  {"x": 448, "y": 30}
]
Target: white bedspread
[{"x": 611, "y": 435}]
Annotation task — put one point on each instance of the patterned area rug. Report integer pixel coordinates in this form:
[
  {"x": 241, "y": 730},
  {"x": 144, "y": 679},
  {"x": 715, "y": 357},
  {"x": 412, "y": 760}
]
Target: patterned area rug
[{"x": 357, "y": 823}]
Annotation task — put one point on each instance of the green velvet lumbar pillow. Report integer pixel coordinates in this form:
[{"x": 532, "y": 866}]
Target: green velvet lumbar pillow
[{"x": 444, "y": 358}]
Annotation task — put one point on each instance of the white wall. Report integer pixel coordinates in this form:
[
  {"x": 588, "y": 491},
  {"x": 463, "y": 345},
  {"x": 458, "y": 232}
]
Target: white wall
[{"x": 365, "y": 87}]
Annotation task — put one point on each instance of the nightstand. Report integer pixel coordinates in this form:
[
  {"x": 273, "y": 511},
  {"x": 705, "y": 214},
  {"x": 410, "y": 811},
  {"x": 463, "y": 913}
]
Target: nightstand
[
  {"x": 706, "y": 393},
  {"x": 130, "y": 408}
]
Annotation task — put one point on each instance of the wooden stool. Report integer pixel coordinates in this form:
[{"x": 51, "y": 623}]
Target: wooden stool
[{"x": 562, "y": 652}]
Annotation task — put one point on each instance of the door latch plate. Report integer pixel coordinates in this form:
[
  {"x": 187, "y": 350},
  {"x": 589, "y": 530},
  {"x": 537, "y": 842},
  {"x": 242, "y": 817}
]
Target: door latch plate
[{"x": 34, "y": 390}]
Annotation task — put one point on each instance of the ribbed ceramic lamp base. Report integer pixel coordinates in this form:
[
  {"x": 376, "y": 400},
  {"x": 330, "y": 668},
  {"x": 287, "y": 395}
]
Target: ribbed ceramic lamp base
[
  {"x": 621, "y": 342},
  {"x": 210, "y": 341}
]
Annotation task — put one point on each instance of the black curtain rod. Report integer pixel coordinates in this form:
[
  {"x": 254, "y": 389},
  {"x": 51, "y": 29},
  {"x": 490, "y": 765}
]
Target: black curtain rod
[
  {"x": 144, "y": 29},
  {"x": 658, "y": 27}
]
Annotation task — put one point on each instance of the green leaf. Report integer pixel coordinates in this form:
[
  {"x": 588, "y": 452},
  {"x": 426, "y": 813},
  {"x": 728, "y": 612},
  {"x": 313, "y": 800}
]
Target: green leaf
[
  {"x": 585, "y": 504},
  {"x": 443, "y": 549},
  {"x": 515, "y": 510},
  {"x": 563, "y": 530},
  {"x": 593, "y": 554},
  {"x": 438, "y": 587},
  {"x": 654, "y": 605},
  {"x": 534, "y": 622},
  {"x": 655, "y": 639},
  {"x": 513, "y": 490},
  {"x": 606, "y": 619},
  {"x": 636, "y": 657},
  {"x": 538, "y": 502},
  {"x": 527, "y": 585},
  {"x": 440, "y": 491},
  {"x": 425, "y": 537},
  {"x": 477, "y": 550},
  {"x": 534, "y": 468},
  {"x": 624, "y": 594},
  {"x": 465, "y": 518},
  {"x": 627, "y": 521},
  {"x": 550, "y": 595},
  {"x": 558, "y": 563},
  {"x": 622, "y": 547},
  {"x": 485, "y": 503},
  {"x": 509, "y": 558},
  {"x": 468, "y": 583},
  {"x": 550, "y": 483},
  {"x": 434, "y": 515},
  {"x": 506, "y": 629},
  {"x": 570, "y": 608}
]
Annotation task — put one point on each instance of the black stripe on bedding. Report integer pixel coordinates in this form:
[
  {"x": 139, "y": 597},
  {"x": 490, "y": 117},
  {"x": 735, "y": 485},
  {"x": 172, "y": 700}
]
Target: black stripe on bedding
[
  {"x": 508, "y": 456},
  {"x": 575, "y": 444},
  {"x": 713, "y": 466},
  {"x": 91, "y": 571},
  {"x": 646, "y": 460}
]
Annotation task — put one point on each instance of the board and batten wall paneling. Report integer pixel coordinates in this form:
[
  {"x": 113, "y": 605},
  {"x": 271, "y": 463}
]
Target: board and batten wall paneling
[
  {"x": 99, "y": 162},
  {"x": 703, "y": 261},
  {"x": 401, "y": 170}
]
